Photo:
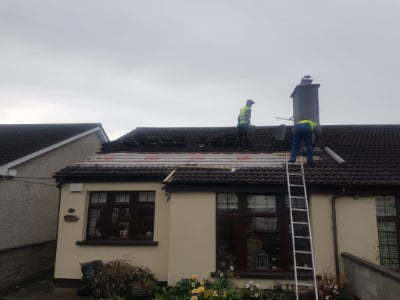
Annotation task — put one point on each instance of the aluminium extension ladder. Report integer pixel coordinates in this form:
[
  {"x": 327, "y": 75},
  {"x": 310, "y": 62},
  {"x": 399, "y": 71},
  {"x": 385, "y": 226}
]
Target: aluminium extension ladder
[{"x": 300, "y": 227}]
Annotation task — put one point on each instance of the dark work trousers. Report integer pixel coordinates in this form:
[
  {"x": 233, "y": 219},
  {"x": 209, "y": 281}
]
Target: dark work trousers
[
  {"x": 302, "y": 132},
  {"x": 243, "y": 139}
]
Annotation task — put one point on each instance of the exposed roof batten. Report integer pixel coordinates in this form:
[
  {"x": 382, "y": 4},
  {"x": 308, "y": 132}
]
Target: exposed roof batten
[{"x": 187, "y": 159}]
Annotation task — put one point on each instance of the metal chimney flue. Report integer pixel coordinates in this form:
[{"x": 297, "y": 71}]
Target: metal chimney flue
[{"x": 306, "y": 100}]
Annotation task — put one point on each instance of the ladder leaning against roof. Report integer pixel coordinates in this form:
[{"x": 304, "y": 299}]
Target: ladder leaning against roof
[{"x": 303, "y": 254}]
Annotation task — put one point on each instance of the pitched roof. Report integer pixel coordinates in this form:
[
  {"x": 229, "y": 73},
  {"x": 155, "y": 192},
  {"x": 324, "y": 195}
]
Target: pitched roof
[
  {"x": 20, "y": 140},
  {"x": 371, "y": 152},
  {"x": 198, "y": 139}
]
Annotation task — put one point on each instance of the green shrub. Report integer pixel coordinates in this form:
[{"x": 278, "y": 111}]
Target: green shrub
[
  {"x": 278, "y": 293},
  {"x": 343, "y": 295},
  {"x": 334, "y": 288},
  {"x": 220, "y": 288},
  {"x": 180, "y": 291},
  {"x": 117, "y": 280}
]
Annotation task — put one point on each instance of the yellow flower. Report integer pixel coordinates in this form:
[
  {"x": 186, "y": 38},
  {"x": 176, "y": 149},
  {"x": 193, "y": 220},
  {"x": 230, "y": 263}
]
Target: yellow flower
[
  {"x": 215, "y": 294},
  {"x": 201, "y": 289},
  {"x": 194, "y": 277},
  {"x": 195, "y": 291},
  {"x": 193, "y": 298}
]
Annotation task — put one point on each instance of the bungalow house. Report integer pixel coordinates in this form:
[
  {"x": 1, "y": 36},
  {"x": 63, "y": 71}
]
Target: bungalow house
[
  {"x": 189, "y": 200},
  {"x": 29, "y": 198}
]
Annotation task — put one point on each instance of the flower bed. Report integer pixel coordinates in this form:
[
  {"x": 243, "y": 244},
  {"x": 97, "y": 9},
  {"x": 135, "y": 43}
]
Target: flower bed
[
  {"x": 220, "y": 288},
  {"x": 118, "y": 280}
]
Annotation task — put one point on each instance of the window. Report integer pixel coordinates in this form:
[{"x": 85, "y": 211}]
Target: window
[
  {"x": 121, "y": 216},
  {"x": 253, "y": 232},
  {"x": 387, "y": 212}
]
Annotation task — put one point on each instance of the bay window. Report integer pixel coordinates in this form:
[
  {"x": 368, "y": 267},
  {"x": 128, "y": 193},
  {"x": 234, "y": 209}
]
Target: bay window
[{"x": 121, "y": 216}]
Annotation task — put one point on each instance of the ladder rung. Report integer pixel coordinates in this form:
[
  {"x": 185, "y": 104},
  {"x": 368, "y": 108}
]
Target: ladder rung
[
  {"x": 304, "y": 268},
  {"x": 296, "y": 174},
  {"x": 301, "y": 237},
  {"x": 300, "y": 223},
  {"x": 297, "y": 197},
  {"x": 299, "y": 209},
  {"x": 302, "y": 252},
  {"x": 306, "y": 284},
  {"x": 298, "y": 185}
]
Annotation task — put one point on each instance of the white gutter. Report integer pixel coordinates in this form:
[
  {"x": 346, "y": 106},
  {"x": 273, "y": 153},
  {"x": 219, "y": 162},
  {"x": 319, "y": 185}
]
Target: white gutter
[{"x": 4, "y": 169}]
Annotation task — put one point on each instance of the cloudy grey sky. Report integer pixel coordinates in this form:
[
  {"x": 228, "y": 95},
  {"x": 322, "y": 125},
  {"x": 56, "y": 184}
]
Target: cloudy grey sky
[{"x": 193, "y": 63}]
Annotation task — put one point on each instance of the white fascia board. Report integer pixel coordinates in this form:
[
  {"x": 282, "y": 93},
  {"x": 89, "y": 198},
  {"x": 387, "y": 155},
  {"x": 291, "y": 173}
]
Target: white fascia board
[
  {"x": 103, "y": 136},
  {"x": 52, "y": 147}
]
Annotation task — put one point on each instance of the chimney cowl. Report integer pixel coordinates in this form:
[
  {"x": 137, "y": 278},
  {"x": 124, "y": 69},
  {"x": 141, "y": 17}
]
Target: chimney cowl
[{"x": 307, "y": 79}]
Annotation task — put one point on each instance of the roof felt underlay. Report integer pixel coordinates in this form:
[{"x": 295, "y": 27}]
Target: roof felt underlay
[{"x": 371, "y": 152}]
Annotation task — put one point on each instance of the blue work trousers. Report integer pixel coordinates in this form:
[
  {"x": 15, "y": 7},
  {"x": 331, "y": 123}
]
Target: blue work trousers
[
  {"x": 243, "y": 138},
  {"x": 302, "y": 132}
]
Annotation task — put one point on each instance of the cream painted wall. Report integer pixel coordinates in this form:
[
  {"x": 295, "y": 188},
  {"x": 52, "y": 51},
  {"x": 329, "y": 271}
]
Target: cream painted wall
[
  {"x": 357, "y": 228},
  {"x": 28, "y": 207},
  {"x": 70, "y": 255},
  {"x": 192, "y": 247},
  {"x": 185, "y": 229},
  {"x": 321, "y": 226}
]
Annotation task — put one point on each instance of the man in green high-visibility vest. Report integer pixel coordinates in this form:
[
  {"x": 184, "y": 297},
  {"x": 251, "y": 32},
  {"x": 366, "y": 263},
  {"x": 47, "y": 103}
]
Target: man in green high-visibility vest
[
  {"x": 303, "y": 131},
  {"x": 244, "y": 123}
]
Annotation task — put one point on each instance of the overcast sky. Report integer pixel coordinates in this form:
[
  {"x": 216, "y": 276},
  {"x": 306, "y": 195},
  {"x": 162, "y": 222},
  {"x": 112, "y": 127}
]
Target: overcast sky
[{"x": 194, "y": 63}]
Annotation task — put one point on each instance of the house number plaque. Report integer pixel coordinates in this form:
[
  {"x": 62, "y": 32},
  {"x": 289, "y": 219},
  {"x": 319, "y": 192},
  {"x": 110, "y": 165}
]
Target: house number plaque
[{"x": 71, "y": 218}]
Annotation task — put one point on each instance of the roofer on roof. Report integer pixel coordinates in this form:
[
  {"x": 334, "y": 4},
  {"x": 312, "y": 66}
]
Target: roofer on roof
[
  {"x": 244, "y": 123},
  {"x": 303, "y": 131}
]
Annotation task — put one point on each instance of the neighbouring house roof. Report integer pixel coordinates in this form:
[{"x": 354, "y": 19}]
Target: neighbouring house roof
[
  {"x": 21, "y": 142},
  {"x": 371, "y": 154}
]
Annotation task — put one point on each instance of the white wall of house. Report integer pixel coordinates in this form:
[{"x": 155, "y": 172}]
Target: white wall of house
[
  {"x": 28, "y": 211},
  {"x": 321, "y": 222},
  {"x": 185, "y": 227},
  {"x": 357, "y": 230},
  {"x": 69, "y": 255},
  {"x": 192, "y": 247}
]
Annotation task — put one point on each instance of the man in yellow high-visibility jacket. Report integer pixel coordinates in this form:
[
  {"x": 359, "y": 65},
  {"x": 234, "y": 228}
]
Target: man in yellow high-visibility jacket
[
  {"x": 244, "y": 123},
  {"x": 303, "y": 131}
]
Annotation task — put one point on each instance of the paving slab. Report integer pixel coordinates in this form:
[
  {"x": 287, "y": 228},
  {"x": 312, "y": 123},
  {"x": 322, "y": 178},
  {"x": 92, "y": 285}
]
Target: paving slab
[{"x": 43, "y": 289}]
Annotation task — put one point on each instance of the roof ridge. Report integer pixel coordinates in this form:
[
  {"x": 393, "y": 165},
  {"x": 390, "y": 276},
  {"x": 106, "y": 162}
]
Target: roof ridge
[{"x": 46, "y": 124}]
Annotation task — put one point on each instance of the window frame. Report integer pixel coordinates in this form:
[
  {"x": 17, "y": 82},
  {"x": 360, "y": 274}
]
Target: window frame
[
  {"x": 109, "y": 205},
  {"x": 243, "y": 215},
  {"x": 391, "y": 219}
]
